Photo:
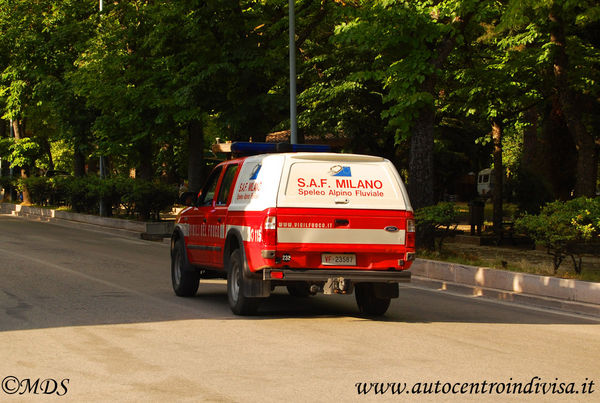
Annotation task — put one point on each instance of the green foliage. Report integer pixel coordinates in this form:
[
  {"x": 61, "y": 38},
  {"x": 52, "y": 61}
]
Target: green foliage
[
  {"x": 528, "y": 190},
  {"x": 563, "y": 227},
  {"x": 151, "y": 198},
  {"x": 437, "y": 221},
  {"x": 40, "y": 189},
  {"x": 24, "y": 152},
  {"x": 127, "y": 83},
  {"x": 144, "y": 199}
]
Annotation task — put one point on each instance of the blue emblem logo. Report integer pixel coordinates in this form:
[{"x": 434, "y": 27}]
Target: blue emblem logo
[
  {"x": 255, "y": 172},
  {"x": 338, "y": 170}
]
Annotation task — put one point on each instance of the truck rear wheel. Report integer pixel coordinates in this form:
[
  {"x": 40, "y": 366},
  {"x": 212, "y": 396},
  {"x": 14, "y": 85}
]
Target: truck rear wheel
[
  {"x": 368, "y": 302},
  {"x": 239, "y": 304},
  {"x": 184, "y": 276}
]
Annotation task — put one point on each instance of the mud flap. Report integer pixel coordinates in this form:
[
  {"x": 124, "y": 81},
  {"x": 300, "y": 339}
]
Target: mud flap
[
  {"x": 256, "y": 287},
  {"x": 386, "y": 290}
]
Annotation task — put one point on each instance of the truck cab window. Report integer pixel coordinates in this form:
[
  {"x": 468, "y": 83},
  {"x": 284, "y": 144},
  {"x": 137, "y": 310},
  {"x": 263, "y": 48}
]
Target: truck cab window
[
  {"x": 226, "y": 185},
  {"x": 208, "y": 191}
]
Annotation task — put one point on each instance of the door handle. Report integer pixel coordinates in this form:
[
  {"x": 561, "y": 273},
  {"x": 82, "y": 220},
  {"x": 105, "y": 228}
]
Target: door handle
[{"x": 341, "y": 222}]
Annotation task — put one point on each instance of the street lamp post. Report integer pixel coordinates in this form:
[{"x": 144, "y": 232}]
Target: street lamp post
[
  {"x": 101, "y": 163},
  {"x": 293, "y": 118}
]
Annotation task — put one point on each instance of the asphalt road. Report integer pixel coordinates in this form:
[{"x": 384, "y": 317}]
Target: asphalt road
[{"x": 93, "y": 316}]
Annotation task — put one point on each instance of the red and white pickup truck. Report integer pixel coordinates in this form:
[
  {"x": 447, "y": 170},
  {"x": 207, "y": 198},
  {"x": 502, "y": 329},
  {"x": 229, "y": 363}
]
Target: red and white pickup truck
[{"x": 311, "y": 221}]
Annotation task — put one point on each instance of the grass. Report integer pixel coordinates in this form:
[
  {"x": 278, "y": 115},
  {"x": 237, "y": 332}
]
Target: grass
[
  {"x": 510, "y": 211},
  {"x": 521, "y": 266}
]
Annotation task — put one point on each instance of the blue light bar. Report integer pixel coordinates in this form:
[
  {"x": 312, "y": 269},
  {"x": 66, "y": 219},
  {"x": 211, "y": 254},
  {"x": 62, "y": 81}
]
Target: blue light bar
[{"x": 245, "y": 148}]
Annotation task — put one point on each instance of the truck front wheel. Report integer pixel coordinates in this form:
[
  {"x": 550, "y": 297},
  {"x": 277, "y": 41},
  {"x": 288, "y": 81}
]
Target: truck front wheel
[
  {"x": 239, "y": 304},
  {"x": 184, "y": 276},
  {"x": 368, "y": 302}
]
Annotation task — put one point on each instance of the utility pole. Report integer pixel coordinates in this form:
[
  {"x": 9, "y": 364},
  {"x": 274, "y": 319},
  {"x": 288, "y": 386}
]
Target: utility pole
[
  {"x": 292, "y": 46},
  {"x": 13, "y": 192}
]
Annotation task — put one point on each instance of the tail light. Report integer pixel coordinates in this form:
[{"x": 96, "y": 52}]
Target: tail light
[
  {"x": 410, "y": 233},
  {"x": 269, "y": 231}
]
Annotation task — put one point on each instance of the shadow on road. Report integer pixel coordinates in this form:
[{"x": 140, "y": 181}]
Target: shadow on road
[
  {"x": 413, "y": 306},
  {"x": 52, "y": 276}
]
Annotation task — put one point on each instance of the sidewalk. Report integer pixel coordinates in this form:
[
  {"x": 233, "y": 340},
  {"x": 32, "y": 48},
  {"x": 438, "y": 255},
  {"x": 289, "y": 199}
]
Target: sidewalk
[{"x": 152, "y": 231}]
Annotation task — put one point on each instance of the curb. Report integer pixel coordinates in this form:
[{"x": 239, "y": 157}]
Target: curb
[
  {"x": 155, "y": 231},
  {"x": 574, "y": 296}
]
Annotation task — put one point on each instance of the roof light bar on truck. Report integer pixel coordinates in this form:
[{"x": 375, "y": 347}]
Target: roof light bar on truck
[{"x": 246, "y": 148}]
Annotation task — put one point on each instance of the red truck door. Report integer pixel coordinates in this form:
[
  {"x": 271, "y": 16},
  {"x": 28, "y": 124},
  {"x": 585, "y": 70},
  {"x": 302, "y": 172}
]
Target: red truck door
[
  {"x": 216, "y": 219},
  {"x": 199, "y": 238}
]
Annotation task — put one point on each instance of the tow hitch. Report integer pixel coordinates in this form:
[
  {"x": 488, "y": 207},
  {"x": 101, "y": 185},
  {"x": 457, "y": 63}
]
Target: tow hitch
[{"x": 338, "y": 285}]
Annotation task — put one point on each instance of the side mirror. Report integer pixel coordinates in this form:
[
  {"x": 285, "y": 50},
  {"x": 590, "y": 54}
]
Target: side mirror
[{"x": 188, "y": 198}]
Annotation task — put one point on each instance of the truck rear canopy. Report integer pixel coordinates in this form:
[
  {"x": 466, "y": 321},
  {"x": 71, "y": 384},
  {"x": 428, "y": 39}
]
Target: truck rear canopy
[{"x": 343, "y": 181}]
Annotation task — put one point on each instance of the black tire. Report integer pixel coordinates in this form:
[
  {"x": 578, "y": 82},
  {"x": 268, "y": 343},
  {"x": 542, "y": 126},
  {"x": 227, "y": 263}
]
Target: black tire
[
  {"x": 239, "y": 304},
  {"x": 184, "y": 276},
  {"x": 368, "y": 302},
  {"x": 300, "y": 290}
]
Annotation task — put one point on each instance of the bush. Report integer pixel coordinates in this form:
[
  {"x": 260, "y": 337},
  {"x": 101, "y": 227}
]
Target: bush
[
  {"x": 150, "y": 198},
  {"x": 564, "y": 227},
  {"x": 40, "y": 189},
  {"x": 433, "y": 222},
  {"x": 123, "y": 189},
  {"x": 529, "y": 191},
  {"x": 81, "y": 195},
  {"x": 143, "y": 198},
  {"x": 60, "y": 190}
]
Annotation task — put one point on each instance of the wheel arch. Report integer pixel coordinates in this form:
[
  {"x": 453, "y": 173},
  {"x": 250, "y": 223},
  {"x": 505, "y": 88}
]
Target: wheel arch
[
  {"x": 234, "y": 241},
  {"x": 176, "y": 236}
]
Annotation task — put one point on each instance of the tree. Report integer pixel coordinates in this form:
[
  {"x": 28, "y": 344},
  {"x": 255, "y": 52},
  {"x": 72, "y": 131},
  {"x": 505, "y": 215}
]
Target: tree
[
  {"x": 567, "y": 32},
  {"x": 411, "y": 42}
]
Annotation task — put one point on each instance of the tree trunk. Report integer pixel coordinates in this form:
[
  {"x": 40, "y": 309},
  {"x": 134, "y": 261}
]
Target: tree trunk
[
  {"x": 145, "y": 169},
  {"x": 498, "y": 177},
  {"x": 531, "y": 143},
  {"x": 19, "y": 132},
  {"x": 48, "y": 151},
  {"x": 196, "y": 156},
  {"x": 3, "y": 128},
  {"x": 4, "y": 162},
  {"x": 78, "y": 163},
  {"x": 420, "y": 181},
  {"x": 421, "y": 175},
  {"x": 587, "y": 170}
]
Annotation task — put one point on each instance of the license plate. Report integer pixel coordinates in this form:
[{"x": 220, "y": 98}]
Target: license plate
[{"x": 338, "y": 259}]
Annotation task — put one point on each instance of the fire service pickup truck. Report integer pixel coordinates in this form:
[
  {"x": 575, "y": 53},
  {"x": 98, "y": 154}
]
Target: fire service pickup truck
[{"x": 309, "y": 220}]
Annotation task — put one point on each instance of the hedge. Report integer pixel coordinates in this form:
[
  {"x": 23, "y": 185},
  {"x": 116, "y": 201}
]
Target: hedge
[{"x": 144, "y": 199}]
